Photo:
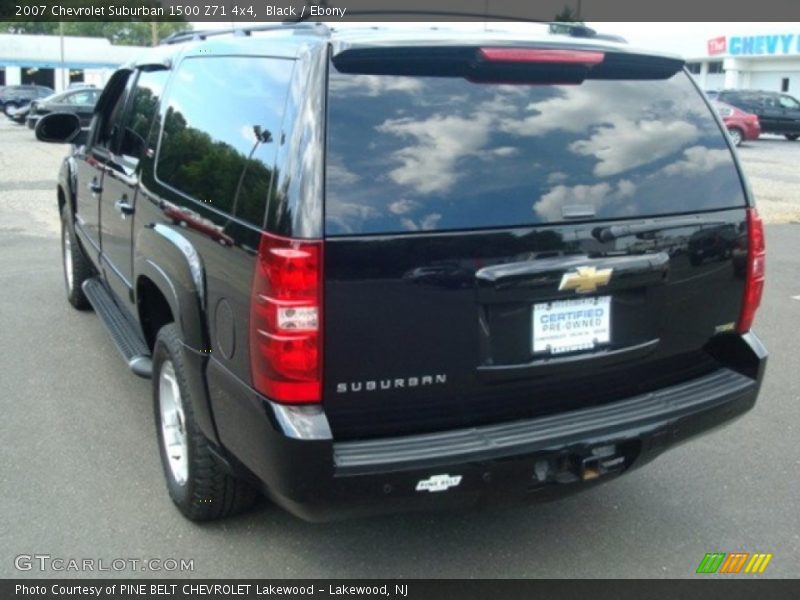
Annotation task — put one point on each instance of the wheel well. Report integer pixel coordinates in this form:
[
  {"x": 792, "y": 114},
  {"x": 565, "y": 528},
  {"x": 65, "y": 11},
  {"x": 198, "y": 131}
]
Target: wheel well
[{"x": 154, "y": 310}]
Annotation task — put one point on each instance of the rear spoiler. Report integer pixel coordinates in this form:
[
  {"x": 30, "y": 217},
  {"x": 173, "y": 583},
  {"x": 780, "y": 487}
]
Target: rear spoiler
[{"x": 518, "y": 63}]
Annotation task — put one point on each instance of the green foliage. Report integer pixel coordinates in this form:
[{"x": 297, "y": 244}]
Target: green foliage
[
  {"x": 567, "y": 15},
  {"x": 213, "y": 171},
  {"x": 35, "y": 27},
  {"x": 134, "y": 33}
]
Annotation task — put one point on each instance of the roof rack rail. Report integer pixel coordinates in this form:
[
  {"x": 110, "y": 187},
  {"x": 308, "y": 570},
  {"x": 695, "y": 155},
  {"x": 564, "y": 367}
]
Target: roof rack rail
[
  {"x": 190, "y": 35},
  {"x": 573, "y": 29}
]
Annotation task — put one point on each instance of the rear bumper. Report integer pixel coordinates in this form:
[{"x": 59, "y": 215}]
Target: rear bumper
[{"x": 536, "y": 458}]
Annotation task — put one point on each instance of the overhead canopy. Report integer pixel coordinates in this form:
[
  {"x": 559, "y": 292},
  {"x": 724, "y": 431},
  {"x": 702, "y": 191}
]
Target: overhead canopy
[{"x": 44, "y": 51}]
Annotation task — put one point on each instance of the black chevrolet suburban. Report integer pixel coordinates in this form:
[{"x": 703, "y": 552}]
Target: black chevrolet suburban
[{"x": 374, "y": 270}]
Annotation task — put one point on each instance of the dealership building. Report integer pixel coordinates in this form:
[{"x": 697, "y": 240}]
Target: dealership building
[
  {"x": 762, "y": 61},
  {"x": 56, "y": 62}
]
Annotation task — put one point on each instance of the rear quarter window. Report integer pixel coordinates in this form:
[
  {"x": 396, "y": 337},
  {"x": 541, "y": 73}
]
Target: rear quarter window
[
  {"x": 411, "y": 154},
  {"x": 218, "y": 140}
]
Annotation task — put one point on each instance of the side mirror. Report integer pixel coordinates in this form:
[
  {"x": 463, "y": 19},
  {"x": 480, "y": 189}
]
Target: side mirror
[{"x": 58, "y": 128}]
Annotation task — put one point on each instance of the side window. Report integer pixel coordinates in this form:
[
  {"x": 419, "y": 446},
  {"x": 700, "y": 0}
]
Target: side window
[
  {"x": 221, "y": 130},
  {"x": 80, "y": 98},
  {"x": 110, "y": 126},
  {"x": 789, "y": 102},
  {"x": 143, "y": 108}
]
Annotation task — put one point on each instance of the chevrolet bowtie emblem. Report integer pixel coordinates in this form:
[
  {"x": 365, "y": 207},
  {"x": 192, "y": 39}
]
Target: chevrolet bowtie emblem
[{"x": 585, "y": 279}]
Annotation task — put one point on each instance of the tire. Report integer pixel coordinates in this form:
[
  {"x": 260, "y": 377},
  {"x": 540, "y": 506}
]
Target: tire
[
  {"x": 792, "y": 136},
  {"x": 77, "y": 267},
  {"x": 197, "y": 483},
  {"x": 737, "y": 136}
]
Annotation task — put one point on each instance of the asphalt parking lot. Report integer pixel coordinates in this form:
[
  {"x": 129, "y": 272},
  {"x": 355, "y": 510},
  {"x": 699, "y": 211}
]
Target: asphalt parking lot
[{"x": 80, "y": 474}]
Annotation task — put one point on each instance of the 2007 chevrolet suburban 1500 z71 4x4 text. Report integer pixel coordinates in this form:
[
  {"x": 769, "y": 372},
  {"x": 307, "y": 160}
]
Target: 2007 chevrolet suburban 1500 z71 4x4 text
[{"x": 376, "y": 270}]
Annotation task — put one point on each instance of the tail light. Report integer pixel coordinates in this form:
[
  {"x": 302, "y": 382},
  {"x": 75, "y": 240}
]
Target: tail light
[
  {"x": 754, "y": 275},
  {"x": 286, "y": 320}
]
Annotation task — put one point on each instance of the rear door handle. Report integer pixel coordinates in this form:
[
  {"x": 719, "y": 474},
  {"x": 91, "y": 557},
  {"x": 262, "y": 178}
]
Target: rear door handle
[{"x": 123, "y": 206}]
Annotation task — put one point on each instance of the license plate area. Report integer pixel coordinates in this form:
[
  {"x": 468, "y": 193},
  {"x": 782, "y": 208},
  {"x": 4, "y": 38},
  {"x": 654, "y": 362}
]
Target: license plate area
[{"x": 575, "y": 325}]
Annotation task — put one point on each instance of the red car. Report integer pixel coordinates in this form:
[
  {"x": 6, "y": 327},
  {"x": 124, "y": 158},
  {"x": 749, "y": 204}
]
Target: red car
[{"x": 741, "y": 125}]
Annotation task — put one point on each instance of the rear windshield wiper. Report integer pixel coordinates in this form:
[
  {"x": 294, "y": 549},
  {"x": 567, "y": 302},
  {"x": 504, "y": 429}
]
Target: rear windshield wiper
[{"x": 613, "y": 232}]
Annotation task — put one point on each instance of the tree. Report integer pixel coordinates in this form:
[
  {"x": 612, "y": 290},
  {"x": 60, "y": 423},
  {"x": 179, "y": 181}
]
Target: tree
[
  {"x": 567, "y": 16},
  {"x": 35, "y": 27},
  {"x": 133, "y": 33},
  {"x": 136, "y": 33},
  {"x": 214, "y": 171}
]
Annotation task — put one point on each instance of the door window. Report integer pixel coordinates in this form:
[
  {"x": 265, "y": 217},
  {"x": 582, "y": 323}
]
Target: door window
[
  {"x": 144, "y": 105},
  {"x": 108, "y": 134}
]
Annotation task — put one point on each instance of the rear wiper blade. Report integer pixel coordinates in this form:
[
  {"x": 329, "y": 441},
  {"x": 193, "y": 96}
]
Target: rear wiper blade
[{"x": 613, "y": 232}]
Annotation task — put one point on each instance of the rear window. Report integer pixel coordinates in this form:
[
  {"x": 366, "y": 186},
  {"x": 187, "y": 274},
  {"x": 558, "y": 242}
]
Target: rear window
[{"x": 436, "y": 153}]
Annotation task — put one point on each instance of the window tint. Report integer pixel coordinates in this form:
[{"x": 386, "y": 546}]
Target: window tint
[
  {"x": 437, "y": 153},
  {"x": 723, "y": 110},
  {"x": 789, "y": 102},
  {"x": 111, "y": 122},
  {"x": 740, "y": 100},
  {"x": 146, "y": 96},
  {"x": 221, "y": 130},
  {"x": 86, "y": 98}
]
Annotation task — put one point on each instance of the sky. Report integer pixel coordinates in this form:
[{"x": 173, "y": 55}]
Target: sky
[{"x": 685, "y": 39}]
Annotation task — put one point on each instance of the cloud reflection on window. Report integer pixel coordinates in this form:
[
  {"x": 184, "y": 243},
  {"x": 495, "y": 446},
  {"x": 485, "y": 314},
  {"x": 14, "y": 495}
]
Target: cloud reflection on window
[
  {"x": 597, "y": 196},
  {"x": 443, "y": 153}
]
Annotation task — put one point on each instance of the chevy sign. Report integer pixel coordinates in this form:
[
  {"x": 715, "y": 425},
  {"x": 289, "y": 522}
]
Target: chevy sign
[{"x": 781, "y": 44}]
